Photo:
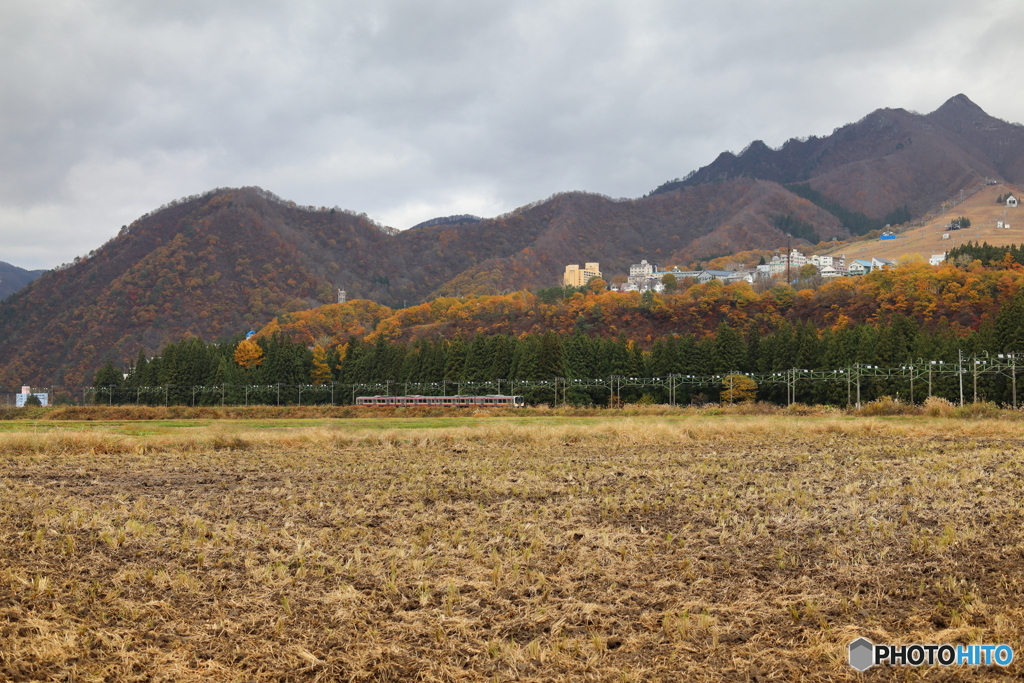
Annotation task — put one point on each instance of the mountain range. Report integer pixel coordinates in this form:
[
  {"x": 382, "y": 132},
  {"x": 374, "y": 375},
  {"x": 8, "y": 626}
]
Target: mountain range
[
  {"x": 13, "y": 278},
  {"x": 220, "y": 263}
]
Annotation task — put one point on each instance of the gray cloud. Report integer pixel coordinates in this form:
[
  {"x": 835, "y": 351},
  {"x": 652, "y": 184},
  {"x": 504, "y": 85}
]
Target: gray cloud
[{"x": 409, "y": 110}]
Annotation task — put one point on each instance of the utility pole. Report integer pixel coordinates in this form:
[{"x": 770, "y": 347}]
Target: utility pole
[
  {"x": 976, "y": 362},
  {"x": 960, "y": 373},
  {"x": 1013, "y": 371},
  {"x": 858, "y": 385},
  {"x": 911, "y": 383}
]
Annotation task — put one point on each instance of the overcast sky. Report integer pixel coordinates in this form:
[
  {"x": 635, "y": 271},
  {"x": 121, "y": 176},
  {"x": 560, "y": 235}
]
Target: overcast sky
[{"x": 411, "y": 110}]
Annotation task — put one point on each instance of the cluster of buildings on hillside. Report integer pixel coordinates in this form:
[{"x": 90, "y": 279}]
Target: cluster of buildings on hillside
[
  {"x": 646, "y": 276},
  {"x": 828, "y": 266}
]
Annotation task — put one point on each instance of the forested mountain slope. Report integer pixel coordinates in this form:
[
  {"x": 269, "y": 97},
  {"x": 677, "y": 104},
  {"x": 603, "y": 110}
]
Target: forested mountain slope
[
  {"x": 951, "y": 299},
  {"x": 216, "y": 265},
  {"x": 13, "y": 278},
  {"x": 208, "y": 266},
  {"x": 888, "y": 159}
]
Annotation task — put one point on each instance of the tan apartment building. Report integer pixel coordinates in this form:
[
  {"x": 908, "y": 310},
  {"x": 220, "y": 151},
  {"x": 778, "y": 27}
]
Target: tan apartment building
[{"x": 577, "y": 277}]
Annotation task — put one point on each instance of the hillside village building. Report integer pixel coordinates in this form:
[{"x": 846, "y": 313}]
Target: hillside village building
[
  {"x": 642, "y": 270},
  {"x": 642, "y": 277},
  {"x": 797, "y": 259},
  {"x": 725, "y": 276},
  {"x": 578, "y": 277},
  {"x": 820, "y": 262},
  {"x": 859, "y": 267},
  {"x": 1011, "y": 202},
  {"x": 833, "y": 271}
]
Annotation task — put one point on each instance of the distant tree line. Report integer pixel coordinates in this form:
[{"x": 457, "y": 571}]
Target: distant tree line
[
  {"x": 448, "y": 220},
  {"x": 988, "y": 254},
  {"x": 854, "y": 221},
  {"x": 276, "y": 367},
  {"x": 796, "y": 227}
]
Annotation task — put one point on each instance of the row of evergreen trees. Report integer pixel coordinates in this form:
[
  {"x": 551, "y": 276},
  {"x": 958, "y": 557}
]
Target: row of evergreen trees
[
  {"x": 988, "y": 254},
  {"x": 183, "y": 370}
]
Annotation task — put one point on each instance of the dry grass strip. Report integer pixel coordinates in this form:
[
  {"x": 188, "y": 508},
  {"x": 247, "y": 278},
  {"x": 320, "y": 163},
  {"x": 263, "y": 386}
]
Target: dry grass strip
[{"x": 715, "y": 549}]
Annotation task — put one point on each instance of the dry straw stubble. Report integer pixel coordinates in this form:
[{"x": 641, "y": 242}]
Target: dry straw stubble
[{"x": 704, "y": 549}]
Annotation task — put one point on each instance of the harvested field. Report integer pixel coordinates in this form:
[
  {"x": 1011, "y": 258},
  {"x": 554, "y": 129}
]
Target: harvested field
[{"x": 621, "y": 550}]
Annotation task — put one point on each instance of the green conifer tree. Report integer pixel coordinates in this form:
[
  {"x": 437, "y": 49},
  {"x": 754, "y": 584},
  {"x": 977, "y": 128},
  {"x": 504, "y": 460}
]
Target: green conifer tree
[
  {"x": 551, "y": 362},
  {"x": 477, "y": 368},
  {"x": 730, "y": 351},
  {"x": 354, "y": 352},
  {"x": 502, "y": 347},
  {"x": 455, "y": 360},
  {"x": 526, "y": 361},
  {"x": 1009, "y": 325},
  {"x": 660, "y": 362}
]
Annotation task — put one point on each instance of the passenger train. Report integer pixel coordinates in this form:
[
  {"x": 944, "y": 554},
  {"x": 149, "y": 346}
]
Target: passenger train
[{"x": 489, "y": 400}]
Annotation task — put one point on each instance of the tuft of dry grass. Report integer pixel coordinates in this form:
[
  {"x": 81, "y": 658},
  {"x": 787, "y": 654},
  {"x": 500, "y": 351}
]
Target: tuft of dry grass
[{"x": 725, "y": 548}]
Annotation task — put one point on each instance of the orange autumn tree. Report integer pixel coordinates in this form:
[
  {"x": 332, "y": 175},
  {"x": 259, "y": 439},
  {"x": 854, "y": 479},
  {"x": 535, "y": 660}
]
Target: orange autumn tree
[
  {"x": 321, "y": 371},
  {"x": 248, "y": 354}
]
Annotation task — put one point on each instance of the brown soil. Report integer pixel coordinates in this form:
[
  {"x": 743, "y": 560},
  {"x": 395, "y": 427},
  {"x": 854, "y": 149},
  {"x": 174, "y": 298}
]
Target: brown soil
[{"x": 711, "y": 550}]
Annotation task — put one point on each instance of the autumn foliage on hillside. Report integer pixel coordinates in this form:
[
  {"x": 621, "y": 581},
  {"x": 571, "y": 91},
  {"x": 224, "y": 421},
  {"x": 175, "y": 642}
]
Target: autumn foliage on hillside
[
  {"x": 954, "y": 298},
  {"x": 208, "y": 267},
  {"x": 524, "y": 342},
  {"x": 216, "y": 265},
  {"x": 219, "y": 264}
]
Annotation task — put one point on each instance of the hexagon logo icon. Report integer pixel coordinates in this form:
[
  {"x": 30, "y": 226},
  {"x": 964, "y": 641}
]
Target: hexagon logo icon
[{"x": 862, "y": 654}]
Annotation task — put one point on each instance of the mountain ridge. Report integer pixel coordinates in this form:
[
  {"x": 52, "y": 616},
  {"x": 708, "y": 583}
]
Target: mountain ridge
[
  {"x": 13, "y": 278},
  {"x": 218, "y": 264},
  {"x": 888, "y": 158},
  {"x": 232, "y": 259}
]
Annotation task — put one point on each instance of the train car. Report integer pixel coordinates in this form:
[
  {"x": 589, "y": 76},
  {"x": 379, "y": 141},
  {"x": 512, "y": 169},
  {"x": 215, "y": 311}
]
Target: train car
[{"x": 489, "y": 400}]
